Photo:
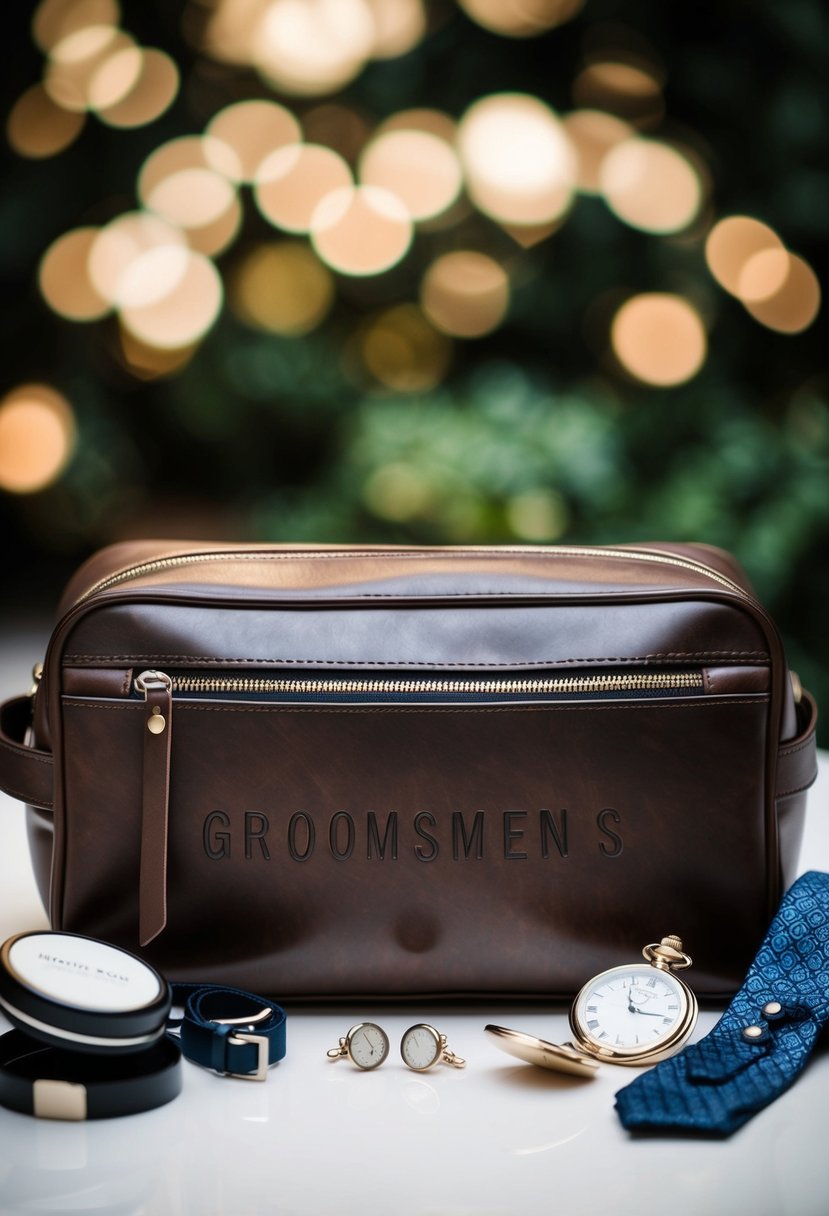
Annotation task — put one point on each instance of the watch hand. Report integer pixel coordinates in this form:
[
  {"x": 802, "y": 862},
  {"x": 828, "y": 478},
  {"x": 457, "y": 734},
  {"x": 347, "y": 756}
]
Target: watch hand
[
  {"x": 631, "y": 1006},
  {"x": 646, "y": 1013}
]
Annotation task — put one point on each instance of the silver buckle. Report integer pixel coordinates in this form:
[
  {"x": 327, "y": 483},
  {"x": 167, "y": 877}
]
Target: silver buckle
[{"x": 261, "y": 1042}]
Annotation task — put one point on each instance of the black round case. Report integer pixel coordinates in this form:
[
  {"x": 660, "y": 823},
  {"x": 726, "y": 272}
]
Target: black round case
[{"x": 80, "y": 994}]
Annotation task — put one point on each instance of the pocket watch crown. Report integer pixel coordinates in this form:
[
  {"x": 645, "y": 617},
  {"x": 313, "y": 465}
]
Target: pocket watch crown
[{"x": 672, "y": 941}]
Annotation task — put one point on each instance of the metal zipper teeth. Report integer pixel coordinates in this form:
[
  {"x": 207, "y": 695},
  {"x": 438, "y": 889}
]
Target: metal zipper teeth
[
  {"x": 169, "y": 563},
  {"x": 569, "y": 684}
]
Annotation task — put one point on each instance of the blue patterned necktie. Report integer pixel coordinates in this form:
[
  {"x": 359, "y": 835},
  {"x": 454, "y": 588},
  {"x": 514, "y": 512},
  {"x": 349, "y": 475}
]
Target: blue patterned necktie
[{"x": 763, "y": 1040}]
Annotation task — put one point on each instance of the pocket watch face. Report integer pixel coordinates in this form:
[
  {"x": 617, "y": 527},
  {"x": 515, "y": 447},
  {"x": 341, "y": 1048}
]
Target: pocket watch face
[
  {"x": 368, "y": 1045},
  {"x": 632, "y": 1011}
]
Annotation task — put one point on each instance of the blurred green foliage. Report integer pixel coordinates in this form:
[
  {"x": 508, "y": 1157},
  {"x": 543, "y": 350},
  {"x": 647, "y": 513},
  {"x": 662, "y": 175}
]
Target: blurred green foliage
[{"x": 536, "y": 434}]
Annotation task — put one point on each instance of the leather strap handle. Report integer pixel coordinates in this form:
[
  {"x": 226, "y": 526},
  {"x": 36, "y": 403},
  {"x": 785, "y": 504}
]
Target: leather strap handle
[
  {"x": 797, "y": 758},
  {"x": 25, "y": 772},
  {"x": 28, "y": 773}
]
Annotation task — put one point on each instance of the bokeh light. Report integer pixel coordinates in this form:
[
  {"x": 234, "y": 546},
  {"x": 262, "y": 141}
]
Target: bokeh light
[
  {"x": 398, "y": 491},
  {"x": 465, "y": 294},
  {"x": 631, "y": 90},
  {"x": 650, "y": 186},
  {"x": 148, "y": 362},
  {"x": 404, "y": 352},
  {"x": 170, "y": 297},
  {"x": 116, "y": 77},
  {"x": 75, "y": 61},
  {"x": 313, "y": 47},
  {"x": 538, "y": 515},
  {"x": 763, "y": 275},
  {"x": 433, "y": 122},
  {"x": 64, "y": 277},
  {"x": 152, "y": 91},
  {"x": 38, "y": 127},
  {"x": 37, "y": 437},
  {"x": 794, "y": 305},
  {"x": 593, "y": 134},
  {"x": 399, "y": 25},
  {"x": 422, "y": 169},
  {"x": 250, "y": 131},
  {"x": 293, "y": 181},
  {"x": 732, "y": 243},
  {"x": 282, "y": 288},
  {"x": 520, "y": 165},
  {"x": 191, "y": 198},
  {"x": 520, "y": 18},
  {"x": 659, "y": 339},
  {"x": 119, "y": 244},
  {"x": 186, "y": 152},
  {"x": 55, "y": 20},
  {"x": 361, "y": 230}
]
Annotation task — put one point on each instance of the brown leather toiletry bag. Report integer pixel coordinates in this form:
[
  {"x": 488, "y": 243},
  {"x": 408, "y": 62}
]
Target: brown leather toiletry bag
[{"x": 344, "y": 771}]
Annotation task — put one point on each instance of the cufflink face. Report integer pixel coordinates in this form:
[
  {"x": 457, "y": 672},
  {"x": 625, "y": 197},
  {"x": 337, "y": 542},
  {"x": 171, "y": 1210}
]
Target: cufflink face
[
  {"x": 366, "y": 1045},
  {"x": 422, "y": 1046}
]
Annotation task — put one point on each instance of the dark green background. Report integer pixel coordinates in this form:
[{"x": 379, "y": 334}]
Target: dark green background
[{"x": 268, "y": 438}]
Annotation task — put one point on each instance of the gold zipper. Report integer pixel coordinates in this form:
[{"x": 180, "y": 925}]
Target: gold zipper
[
  {"x": 326, "y": 686},
  {"x": 170, "y": 563}
]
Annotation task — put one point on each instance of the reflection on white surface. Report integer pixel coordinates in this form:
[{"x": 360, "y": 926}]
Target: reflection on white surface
[
  {"x": 546, "y": 1148},
  {"x": 497, "y": 1139},
  {"x": 422, "y": 1097}
]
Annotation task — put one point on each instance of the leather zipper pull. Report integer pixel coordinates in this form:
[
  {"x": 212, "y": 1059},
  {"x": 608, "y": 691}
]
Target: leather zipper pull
[{"x": 158, "y": 730}]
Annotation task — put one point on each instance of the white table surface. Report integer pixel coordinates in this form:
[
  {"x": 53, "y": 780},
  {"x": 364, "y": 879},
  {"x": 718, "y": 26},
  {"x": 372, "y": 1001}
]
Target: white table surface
[{"x": 498, "y": 1138}]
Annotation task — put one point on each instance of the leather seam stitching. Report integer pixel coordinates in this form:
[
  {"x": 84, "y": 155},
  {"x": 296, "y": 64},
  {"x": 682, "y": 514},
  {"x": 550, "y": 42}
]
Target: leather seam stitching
[
  {"x": 206, "y": 658},
  {"x": 792, "y": 751},
  {"x": 21, "y": 752},
  {"x": 799, "y": 789},
  {"x": 26, "y": 796}
]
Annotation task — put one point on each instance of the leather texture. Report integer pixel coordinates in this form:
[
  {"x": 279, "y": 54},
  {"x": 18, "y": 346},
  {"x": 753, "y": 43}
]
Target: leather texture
[
  {"x": 212, "y": 1042},
  {"x": 718, "y": 1084},
  {"x": 343, "y": 849}
]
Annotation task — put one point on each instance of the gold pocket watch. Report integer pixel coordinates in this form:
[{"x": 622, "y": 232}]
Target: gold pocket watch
[{"x": 634, "y": 1014}]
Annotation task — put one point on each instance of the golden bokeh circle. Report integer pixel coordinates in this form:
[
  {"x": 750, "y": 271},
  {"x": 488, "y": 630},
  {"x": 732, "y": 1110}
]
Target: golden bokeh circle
[
  {"x": 732, "y": 243},
  {"x": 119, "y": 243},
  {"x": 404, "y": 352},
  {"x": 465, "y": 294},
  {"x": 520, "y": 166},
  {"x": 650, "y": 185},
  {"x": 422, "y": 169},
  {"x": 251, "y": 131},
  {"x": 64, "y": 277},
  {"x": 37, "y": 437},
  {"x": 309, "y": 48},
  {"x": 282, "y": 288},
  {"x": 659, "y": 339},
  {"x": 361, "y": 230},
  {"x": 292, "y": 182},
  {"x": 593, "y": 134},
  {"x": 55, "y": 20},
  {"x": 37, "y": 127},
  {"x": 153, "y": 92},
  {"x": 794, "y": 305},
  {"x": 171, "y": 296},
  {"x": 520, "y": 18}
]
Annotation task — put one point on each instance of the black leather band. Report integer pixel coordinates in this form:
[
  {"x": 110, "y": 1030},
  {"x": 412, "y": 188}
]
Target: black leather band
[{"x": 56, "y": 1084}]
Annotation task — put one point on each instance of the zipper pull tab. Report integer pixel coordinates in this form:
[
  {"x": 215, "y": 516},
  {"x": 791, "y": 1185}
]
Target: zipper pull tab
[{"x": 158, "y": 695}]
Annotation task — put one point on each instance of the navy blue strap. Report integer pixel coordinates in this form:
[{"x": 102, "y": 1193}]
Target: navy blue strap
[
  {"x": 763, "y": 1040},
  {"x": 234, "y": 1032}
]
